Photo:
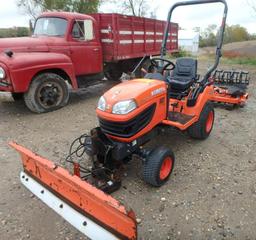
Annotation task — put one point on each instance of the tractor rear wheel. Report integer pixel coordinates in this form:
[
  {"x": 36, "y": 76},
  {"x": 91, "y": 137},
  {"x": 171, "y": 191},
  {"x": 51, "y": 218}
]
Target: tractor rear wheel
[
  {"x": 47, "y": 92},
  {"x": 203, "y": 127},
  {"x": 158, "y": 166}
]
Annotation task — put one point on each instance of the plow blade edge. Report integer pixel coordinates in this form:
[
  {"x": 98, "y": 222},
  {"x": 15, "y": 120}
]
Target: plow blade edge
[{"x": 94, "y": 213}]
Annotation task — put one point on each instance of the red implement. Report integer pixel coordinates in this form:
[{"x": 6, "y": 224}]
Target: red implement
[{"x": 222, "y": 95}]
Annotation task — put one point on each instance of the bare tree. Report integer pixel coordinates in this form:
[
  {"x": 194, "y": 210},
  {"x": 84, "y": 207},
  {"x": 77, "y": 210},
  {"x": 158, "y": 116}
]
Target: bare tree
[
  {"x": 252, "y": 4},
  {"x": 35, "y": 7},
  {"x": 138, "y": 8},
  {"x": 30, "y": 7}
]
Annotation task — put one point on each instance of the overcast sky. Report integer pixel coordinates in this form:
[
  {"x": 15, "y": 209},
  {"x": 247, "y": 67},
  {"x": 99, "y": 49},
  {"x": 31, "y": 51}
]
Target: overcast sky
[{"x": 188, "y": 17}]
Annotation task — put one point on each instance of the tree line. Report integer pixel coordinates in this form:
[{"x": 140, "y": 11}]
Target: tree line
[
  {"x": 14, "y": 32},
  {"x": 33, "y": 8},
  {"x": 233, "y": 33},
  {"x": 133, "y": 7}
]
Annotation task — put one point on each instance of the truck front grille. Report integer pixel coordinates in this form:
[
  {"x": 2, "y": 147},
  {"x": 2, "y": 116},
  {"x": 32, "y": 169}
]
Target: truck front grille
[{"x": 129, "y": 128}]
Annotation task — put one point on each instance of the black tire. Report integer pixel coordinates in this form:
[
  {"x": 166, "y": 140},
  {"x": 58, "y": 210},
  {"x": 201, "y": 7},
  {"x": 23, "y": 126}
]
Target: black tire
[
  {"x": 17, "y": 96},
  {"x": 47, "y": 92},
  {"x": 153, "y": 165},
  {"x": 113, "y": 72},
  {"x": 202, "y": 129},
  {"x": 139, "y": 73}
]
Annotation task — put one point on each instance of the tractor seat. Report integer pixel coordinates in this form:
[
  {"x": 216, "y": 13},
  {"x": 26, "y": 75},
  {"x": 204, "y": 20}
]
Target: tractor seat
[{"x": 183, "y": 75}]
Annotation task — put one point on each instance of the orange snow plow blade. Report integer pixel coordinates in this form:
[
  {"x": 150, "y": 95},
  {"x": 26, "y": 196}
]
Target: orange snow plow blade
[{"x": 91, "y": 211}]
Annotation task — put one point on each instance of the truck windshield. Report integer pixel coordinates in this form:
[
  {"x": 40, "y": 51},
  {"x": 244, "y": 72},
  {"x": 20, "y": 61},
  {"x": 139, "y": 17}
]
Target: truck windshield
[{"x": 50, "y": 26}]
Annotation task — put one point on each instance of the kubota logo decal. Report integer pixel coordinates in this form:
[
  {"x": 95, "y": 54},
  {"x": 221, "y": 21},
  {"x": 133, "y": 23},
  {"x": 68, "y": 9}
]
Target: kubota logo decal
[{"x": 158, "y": 91}]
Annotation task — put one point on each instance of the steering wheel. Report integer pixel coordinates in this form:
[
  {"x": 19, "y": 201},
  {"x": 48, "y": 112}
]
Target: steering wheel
[{"x": 156, "y": 63}]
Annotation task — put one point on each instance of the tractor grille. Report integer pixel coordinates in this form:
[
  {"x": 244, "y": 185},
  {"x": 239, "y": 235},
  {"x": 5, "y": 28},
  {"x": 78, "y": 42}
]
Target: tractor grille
[{"x": 129, "y": 128}]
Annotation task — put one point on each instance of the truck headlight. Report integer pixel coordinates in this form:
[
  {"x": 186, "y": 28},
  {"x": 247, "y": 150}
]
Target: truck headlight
[
  {"x": 124, "y": 107},
  {"x": 2, "y": 73},
  {"x": 102, "y": 103}
]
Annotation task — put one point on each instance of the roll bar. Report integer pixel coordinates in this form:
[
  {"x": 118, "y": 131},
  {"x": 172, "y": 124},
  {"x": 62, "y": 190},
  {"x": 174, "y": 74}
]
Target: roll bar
[{"x": 221, "y": 34}]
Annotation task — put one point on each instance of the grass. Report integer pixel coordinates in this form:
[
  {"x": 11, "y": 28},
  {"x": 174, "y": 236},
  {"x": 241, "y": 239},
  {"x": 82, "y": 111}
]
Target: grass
[
  {"x": 249, "y": 61},
  {"x": 229, "y": 57},
  {"x": 240, "y": 61},
  {"x": 232, "y": 57}
]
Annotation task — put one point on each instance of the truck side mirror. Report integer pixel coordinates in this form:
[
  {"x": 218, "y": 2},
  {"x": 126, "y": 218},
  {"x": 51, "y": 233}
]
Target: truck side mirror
[
  {"x": 83, "y": 30},
  {"x": 88, "y": 30}
]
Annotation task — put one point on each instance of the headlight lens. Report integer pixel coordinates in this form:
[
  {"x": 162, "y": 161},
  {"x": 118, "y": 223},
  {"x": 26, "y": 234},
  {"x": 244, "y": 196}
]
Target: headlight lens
[
  {"x": 102, "y": 104},
  {"x": 124, "y": 107},
  {"x": 2, "y": 73}
]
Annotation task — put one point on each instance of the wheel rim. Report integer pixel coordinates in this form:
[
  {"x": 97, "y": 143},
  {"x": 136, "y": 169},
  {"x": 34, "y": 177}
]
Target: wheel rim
[
  {"x": 209, "y": 122},
  {"x": 165, "y": 168},
  {"x": 50, "y": 94}
]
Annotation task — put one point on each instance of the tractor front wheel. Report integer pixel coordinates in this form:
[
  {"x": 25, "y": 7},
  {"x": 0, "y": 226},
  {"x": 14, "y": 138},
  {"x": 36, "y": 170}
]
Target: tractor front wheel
[
  {"x": 158, "y": 166},
  {"x": 203, "y": 127}
]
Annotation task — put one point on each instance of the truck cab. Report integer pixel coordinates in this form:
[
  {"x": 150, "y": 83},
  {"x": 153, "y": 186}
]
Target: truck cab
[{"x": 79, "y": 39}]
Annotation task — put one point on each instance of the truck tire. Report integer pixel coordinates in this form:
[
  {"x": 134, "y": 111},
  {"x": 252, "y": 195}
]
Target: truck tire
[
  {"x": 47, "y": 92},
  {"x": 203, "y": 127},
  {"x": 145, "y": 64},
  {"x": 113, "y": 72},
  {"x": 158, "y": 166},
  {"x": 17, "y": 96}
]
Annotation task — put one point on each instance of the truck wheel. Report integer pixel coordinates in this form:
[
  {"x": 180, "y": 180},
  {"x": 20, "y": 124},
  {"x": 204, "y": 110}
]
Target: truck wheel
[
  {"x": 139, "y": 73},
  {"x": 17, "y": 96},
  {"x": 158, "y": 166},
  {"x": 47, "y": 92},
  {"x": 113, "y": 75},
  {"x": 113, "y": 72},
  {"x": 203, "y": 127}
]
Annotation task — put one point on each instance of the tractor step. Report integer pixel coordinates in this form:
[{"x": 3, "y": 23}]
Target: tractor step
[
  {"x": 90, "y": 210},
  {"x": 179, "y": 117}
]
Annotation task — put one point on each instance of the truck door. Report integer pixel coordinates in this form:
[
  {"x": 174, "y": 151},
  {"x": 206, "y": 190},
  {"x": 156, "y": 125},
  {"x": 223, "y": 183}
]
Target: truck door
[{"x": 86, "y": 52}]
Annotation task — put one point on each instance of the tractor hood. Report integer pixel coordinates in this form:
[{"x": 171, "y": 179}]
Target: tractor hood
[{"x": 140, "y": 90}]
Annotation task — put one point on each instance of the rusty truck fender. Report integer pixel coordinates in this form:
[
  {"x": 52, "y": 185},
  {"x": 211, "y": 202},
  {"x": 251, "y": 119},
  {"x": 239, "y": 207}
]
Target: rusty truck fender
[{"x": 23, "y": 67}]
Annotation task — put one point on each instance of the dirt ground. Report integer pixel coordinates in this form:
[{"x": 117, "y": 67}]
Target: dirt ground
[{"x": 210, "y": 195}]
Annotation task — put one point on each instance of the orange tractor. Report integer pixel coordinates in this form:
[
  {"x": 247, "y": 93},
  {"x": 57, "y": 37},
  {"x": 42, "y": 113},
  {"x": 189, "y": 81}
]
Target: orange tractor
[{"x": 130, "y": 115}]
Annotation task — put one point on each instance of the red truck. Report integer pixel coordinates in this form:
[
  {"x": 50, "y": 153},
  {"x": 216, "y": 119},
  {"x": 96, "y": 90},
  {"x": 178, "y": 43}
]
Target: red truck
[{"x": 76, "y": 49}]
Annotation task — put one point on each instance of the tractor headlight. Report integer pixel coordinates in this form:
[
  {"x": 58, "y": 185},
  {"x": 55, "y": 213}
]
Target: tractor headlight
[
  {"x": 124, "y": 107},
  {"x": 2, "y": 73},
  {"x": 102, "y": 104}
]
